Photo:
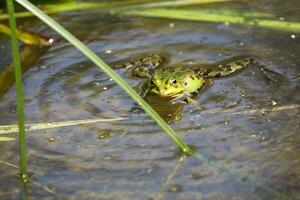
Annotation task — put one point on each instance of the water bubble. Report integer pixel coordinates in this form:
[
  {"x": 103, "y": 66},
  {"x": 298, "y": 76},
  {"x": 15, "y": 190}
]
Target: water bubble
[
  {"x": 110, "y": 157},
  {"x": 175, "y": 188},
  {"x": 51, "y": 139},
  {"x": 104, "y": 134},
  {"x": 150, "y": 170},
  {"x": 51, "y": 40},
  {"x": 198, "y": 120}
]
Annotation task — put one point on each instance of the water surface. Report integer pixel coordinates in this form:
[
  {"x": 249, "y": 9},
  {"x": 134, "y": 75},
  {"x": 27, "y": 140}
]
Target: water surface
[{"x": 134, "y": 159}]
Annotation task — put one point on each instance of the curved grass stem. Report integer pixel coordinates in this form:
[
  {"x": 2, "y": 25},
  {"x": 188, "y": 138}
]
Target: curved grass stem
[{"x": 102, "y": 65}]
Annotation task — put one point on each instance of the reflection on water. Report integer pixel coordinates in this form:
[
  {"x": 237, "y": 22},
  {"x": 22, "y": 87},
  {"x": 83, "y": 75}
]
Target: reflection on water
[{"x": 134, "y": 159}]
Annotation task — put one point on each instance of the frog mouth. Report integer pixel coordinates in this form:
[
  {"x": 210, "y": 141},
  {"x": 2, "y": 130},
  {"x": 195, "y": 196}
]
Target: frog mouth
[{"x": 167, "y": 94}]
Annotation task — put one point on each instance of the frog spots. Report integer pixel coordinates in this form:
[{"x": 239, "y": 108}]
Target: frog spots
[
  {"x": 171, "y": 70},
  {"x": 191, "y": 77},
  {"x": 166, "y": 81},
  {"x": 239, "y": 63},
  {"x": 151, "y": 82},
  {"x": 205, "y": 73},
  {"x": 218, "y": 75},
  {"x": 228, "y": 68}
]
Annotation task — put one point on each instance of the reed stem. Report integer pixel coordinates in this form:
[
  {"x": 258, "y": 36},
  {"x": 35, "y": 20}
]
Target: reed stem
[{"x": 18, "y": 77}]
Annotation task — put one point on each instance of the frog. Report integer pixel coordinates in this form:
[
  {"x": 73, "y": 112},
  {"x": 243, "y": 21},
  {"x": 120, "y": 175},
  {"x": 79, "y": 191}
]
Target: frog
[
  {"x": 183, "y": 81},
  {"x": 168, "y": 88}
]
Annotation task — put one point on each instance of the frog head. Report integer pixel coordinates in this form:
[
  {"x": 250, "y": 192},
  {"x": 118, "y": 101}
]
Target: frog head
[{"x": 175, "y": 82}]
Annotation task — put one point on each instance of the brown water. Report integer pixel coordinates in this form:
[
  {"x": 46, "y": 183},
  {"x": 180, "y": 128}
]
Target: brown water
[{"x": 134, "y": 159}]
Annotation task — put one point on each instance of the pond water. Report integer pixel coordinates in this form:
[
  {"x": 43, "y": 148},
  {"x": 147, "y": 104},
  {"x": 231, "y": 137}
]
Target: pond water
[{"x": 231, "y": 124}]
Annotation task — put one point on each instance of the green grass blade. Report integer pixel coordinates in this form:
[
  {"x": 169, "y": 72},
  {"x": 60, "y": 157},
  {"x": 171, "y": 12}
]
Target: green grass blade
[
  {"x": 18, "y": 77},
  {"x": 101, "y": 64},
  {"x": 65, "y": 6},
  {"x": 181, "y": 3},
  {"x": 259, "y": 20}
]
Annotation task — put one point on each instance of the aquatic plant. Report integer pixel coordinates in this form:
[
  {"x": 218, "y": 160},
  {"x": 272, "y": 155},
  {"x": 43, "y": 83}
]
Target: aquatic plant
[
  {"x": 255, "y": 19},
  {"x": 20, "y": 101}
]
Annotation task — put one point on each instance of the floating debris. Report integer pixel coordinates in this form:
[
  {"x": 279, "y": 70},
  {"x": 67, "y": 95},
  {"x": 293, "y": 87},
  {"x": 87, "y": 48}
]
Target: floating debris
[{"x": 108, "y": 51}]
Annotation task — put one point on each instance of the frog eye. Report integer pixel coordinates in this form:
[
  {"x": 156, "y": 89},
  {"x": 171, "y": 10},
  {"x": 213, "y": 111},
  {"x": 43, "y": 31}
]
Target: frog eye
[
  {"x": 174, "y": 83},
  {"x": 151, "y": 82}
]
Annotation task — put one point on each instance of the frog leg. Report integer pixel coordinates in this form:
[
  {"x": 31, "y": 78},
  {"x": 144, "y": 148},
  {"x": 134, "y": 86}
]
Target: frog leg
[
  {"x": 270, "y": 75},
  {"x": 144, "y": 65},
  {"x": 184, "y": 97},
  {"x": 143, "y": 90},
  {"x": 190, "y": 100},
  {"x": 226, "y": 67},
  {"x": 257, "y": 63},
  {"x": 194, "y": 103}
]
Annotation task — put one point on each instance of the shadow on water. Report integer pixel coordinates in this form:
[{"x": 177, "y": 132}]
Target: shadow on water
[{"x": 245, "y": 121}]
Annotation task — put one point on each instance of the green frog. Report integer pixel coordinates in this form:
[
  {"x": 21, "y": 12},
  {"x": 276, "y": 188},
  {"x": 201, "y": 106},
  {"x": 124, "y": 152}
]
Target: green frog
[{"x": 182, "y": 81}]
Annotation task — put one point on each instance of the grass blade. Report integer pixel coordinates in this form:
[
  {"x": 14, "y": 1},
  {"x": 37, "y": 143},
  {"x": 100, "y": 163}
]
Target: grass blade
[
  {"x": 6, "y": 139},
  {"x": 101, "y": 64},
  {"x": 218, "y": 16},
  {"x": 6, "y": 129},
  {"x": 181, "y": 3},
  {"x": 18, "y": 77},
  {"x": 67, "y": 6}
]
